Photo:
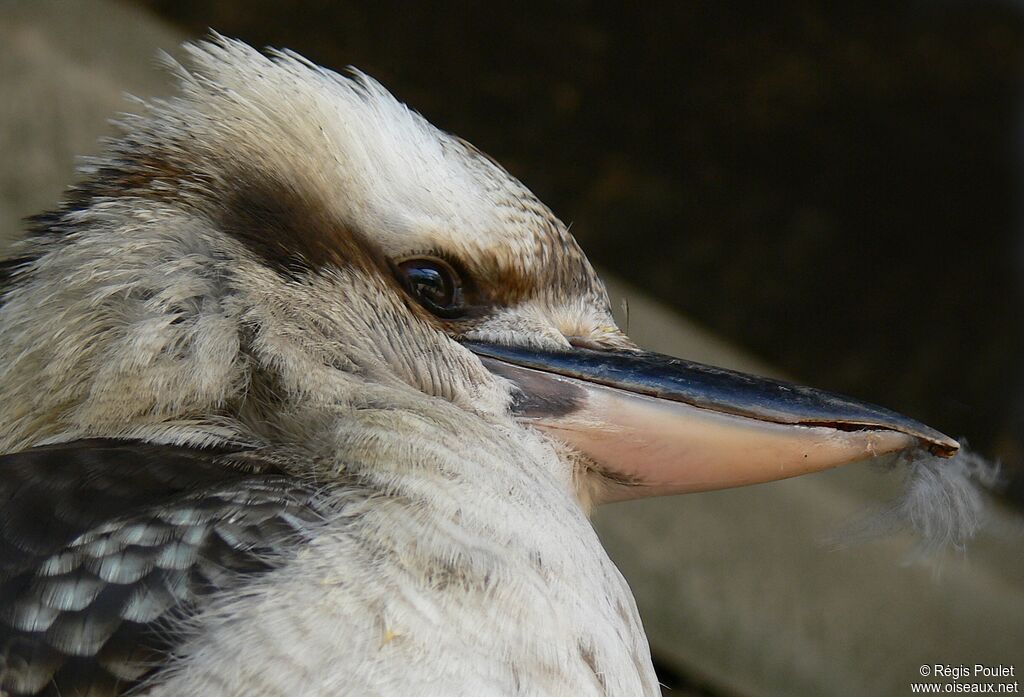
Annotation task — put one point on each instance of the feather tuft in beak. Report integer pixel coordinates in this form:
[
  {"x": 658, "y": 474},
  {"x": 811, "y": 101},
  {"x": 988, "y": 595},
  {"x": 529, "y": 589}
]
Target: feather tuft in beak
[{"x": 944, "y": 504}]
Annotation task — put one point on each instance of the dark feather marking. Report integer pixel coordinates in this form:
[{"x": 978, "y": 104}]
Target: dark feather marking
[
  {"x": 105, "y": 546},
  {"x": 587, "y": 654},
  {"x": 289, "y": 233},
  {"x": 8, "y": 267}
]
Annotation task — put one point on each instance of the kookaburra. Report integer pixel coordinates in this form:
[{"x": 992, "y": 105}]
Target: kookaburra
[{"x": 302, "y": 396}]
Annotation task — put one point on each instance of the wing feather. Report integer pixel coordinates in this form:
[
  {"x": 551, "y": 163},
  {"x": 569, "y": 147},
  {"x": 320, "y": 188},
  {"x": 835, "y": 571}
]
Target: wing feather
[{"x": 105, "y": 546}]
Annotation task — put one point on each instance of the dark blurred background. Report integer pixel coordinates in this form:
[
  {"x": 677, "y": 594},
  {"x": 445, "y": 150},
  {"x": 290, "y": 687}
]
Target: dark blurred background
[{"x": 834, "y": 186}]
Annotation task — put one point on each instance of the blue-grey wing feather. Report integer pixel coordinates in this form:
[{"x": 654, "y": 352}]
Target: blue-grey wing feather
[{"x": 105, "y": 546}]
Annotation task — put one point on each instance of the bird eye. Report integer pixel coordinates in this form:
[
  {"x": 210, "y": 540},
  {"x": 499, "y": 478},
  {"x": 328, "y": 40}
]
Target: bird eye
[{"x": 434, "y": 284}]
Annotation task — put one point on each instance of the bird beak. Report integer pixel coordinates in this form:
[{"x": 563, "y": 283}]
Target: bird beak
[{"x": 658, "y": 425}]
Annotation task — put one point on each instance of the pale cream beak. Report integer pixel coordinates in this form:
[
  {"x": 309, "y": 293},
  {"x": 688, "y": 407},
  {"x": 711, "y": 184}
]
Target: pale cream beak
[{"x": 658, "y": 425}]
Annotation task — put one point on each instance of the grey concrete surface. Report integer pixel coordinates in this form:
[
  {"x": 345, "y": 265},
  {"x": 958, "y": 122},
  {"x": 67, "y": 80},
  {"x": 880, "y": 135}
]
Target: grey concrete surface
[
  {"x": 65, "y": 67},
  {"x": 736, "y": 587}
]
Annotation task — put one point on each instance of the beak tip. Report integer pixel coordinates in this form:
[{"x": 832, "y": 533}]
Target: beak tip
[{"x": 944, "y": 447}]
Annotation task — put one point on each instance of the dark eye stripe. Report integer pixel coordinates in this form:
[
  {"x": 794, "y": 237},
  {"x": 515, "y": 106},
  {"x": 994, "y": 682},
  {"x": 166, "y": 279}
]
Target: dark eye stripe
[{"x": 434, "y": 283}]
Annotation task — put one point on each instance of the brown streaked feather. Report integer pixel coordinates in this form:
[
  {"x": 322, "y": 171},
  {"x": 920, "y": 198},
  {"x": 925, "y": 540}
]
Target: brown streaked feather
[{"x": 290, "y": 233}]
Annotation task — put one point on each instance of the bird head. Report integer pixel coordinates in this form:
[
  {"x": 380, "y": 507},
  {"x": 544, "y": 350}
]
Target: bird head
[{"x": 277, "y": 236}]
